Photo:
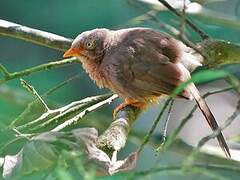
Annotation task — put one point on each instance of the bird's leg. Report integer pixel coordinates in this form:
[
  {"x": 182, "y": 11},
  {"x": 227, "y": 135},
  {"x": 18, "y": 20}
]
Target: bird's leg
[{"x": 129, "y": 102}]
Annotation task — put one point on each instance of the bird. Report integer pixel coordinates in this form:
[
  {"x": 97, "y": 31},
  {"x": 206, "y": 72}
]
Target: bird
[{"x": 141, "y": 65}]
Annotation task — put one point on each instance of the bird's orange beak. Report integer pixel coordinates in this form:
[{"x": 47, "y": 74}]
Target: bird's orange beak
[{"x": 72, "y": 52}]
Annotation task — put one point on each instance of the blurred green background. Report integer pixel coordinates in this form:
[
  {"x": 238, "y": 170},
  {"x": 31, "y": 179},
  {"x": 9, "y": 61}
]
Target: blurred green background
[{"x": 69, "y": 18}]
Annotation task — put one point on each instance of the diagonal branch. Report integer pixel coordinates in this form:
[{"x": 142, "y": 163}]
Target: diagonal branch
[
  {"x": 149, "y": 134},
  {"x": 4, "y": 71},
  {"x": 77, "y": 109},
  {"x": 32, "y": 90},
  {"x": 31, "y": 105},
  {"x": 193, "y": 26},
  {"x": 76, "y": 118},
  {"x": 35, "y": 36}
]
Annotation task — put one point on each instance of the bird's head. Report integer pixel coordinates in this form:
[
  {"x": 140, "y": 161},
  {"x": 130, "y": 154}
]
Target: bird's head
[{"x": 90, "y": 45}]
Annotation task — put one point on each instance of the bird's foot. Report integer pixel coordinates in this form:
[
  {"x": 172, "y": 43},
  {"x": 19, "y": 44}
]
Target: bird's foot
[{"x": 129, "y": 102}]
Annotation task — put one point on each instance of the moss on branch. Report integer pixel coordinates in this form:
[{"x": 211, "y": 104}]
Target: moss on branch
[
  {"x": 115, "y": 137},
  {"x": 220, "y": 52}
]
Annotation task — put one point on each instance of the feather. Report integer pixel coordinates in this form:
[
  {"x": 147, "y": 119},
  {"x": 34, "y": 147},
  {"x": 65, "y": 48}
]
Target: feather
[{"x": 209, "y": 117}]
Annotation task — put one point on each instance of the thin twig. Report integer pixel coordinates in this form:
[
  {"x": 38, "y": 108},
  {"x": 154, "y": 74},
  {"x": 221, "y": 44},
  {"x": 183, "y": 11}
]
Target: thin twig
[
  {"x": 61, "y": 84},
  {"x": 31, "y": 104},
  {"x": 173, "y": 136},
  {"x": 56, "y": 115},
  {"x": 176, "y": 33},
  {"x": 46, "y": 66},
  {"x": 155, "y": 123},
  {"x": 4, "y": 71},
  {"x": 165, "y": 124},
  {"x": 213, "y": 135},
  {"x": 193, "y": 26},
  {"x": 76, "y": 118},
  {"x": 31, "y": 89},
  {"x": 182, "y": 20}
]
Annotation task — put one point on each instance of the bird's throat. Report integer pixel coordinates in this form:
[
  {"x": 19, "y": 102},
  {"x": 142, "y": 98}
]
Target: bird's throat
[{"x": 95, "y": 72}]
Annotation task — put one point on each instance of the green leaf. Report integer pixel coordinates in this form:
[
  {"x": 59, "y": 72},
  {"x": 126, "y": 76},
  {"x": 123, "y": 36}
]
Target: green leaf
[
  {"x": 202, "y": 77},
  {"x": 35, "y": 156},
  {"x": 43, "y": 151}
]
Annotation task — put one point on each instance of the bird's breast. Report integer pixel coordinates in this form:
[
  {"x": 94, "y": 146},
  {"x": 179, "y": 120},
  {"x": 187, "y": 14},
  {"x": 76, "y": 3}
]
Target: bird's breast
[{"x": 96, "y": 73}]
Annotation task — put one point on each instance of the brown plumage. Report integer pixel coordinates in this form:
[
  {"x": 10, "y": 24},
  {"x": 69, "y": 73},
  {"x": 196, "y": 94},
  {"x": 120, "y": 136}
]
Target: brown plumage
[{"x": 140, "y": 65}]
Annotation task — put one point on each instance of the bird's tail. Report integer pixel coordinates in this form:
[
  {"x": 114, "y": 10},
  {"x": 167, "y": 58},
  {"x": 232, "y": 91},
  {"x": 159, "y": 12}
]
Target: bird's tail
[{"x": 209, "y": 117}]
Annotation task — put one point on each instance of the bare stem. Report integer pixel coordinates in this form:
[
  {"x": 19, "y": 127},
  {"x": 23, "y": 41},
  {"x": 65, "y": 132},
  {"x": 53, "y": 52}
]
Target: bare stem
[
  {"x": 4, "y": 71},
  {"x": 158, "y": 118},
  {"x": 29, "y": 107},
  {"x": 47, "y": 66},
  {"x": 34, "y": 92}
]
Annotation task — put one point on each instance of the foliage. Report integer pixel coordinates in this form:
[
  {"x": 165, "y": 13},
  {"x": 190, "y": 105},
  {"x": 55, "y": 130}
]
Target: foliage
[{"x": 49, "y": 144}]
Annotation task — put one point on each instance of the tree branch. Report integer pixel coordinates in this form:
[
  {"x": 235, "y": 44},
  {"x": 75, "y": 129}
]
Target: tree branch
[
  {"x": 54, "y": 64},
  {"x": 115, "y": 136},
  {"x": 31, "y": 105},
  {"x": 35, "y": 36},
  {"x": 76, "y": 110},
  {"x": 79, "y": 116}
]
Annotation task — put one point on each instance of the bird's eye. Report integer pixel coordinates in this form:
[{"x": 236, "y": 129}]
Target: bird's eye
[{"x": 90, "y": 45}]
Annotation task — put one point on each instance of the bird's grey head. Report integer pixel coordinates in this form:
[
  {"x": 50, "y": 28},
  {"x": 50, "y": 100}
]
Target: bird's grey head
[{"x": 90, "y": 45}]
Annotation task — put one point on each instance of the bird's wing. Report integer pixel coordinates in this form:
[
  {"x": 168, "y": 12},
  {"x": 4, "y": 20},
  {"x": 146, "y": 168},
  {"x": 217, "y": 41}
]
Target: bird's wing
[{"x": 143, "y": 68}]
